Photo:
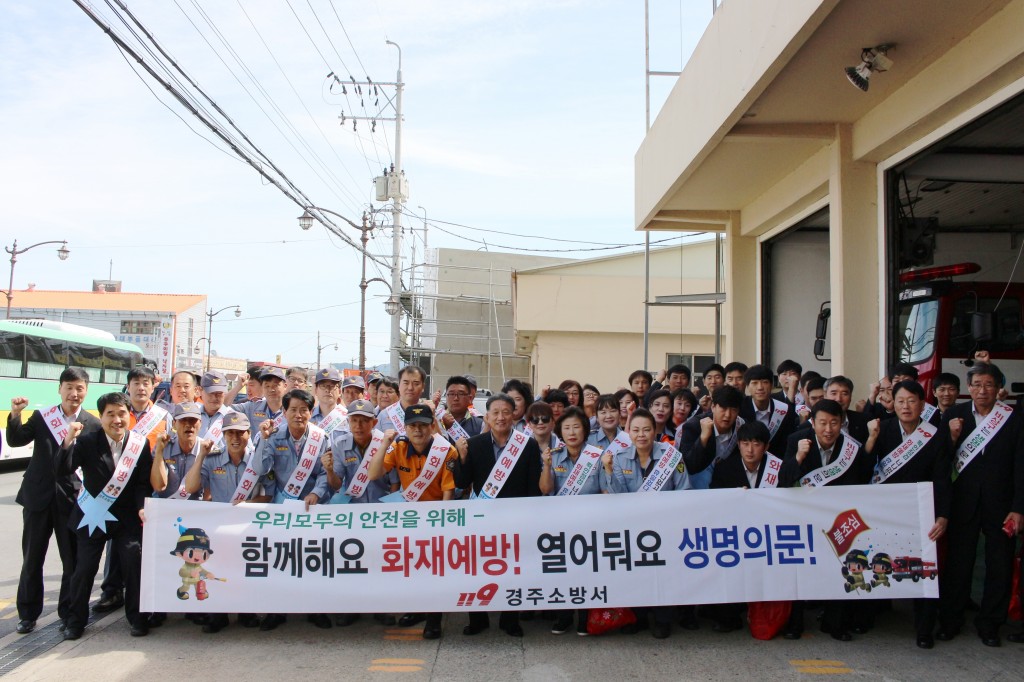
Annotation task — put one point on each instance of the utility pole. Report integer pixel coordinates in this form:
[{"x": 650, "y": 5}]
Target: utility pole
[
  {"x": 394, "y": 187},
  {"x": 396, "y": 221},
  {"x": 364, "y": 236}
]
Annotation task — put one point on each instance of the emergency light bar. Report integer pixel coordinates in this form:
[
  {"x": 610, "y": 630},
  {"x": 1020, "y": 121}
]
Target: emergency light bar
[{"x": 939, "y": 272}]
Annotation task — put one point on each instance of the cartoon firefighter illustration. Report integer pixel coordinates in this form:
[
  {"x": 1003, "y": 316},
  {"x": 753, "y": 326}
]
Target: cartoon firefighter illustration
[
  {"x": 881, "y": 566},
  {"x": 854, "y": 565},
  {"x": 194, "y": 549}
]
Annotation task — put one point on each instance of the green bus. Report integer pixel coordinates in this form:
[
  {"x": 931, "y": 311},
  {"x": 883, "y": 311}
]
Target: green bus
[{"x": 33, "y": 353}]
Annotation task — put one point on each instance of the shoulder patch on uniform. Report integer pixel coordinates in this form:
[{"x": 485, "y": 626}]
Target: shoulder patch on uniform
[
  {"x": 450, "y": 465},
  {"x": 270, "y": 475},
  {"x": 681, "y": 468}
]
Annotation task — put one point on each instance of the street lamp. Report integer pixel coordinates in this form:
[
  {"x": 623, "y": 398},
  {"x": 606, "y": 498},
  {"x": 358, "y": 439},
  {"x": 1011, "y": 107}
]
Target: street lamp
[
  {"x": 209, "y": 329},
  {"x": 63, "y": 252}
]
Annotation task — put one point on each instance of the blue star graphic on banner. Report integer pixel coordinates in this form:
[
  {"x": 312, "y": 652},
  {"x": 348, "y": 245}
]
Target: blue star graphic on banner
[{"x": 95, "y": 513}]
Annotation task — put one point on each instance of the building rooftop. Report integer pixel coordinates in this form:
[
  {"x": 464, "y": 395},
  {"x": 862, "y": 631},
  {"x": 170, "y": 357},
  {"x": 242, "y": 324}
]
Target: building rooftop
[{"x": 100, "y": 300}]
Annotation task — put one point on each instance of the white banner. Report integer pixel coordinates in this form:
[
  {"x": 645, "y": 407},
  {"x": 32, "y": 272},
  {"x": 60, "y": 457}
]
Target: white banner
[{"x": 685, "y": 547}]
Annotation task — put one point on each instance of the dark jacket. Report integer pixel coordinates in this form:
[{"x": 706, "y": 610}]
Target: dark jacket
[
  {"x": 930, "y": 465},
  {"x": 777, "y": 446},
  {"x": 523, "y": 480},
  {"x": 40, "y": 487},
  {"x": 730, "y": 473},
  {"x": 793, "y": 472},
  {"x": 92, "y": 453},
  {"x": 858, "y": 427},
  {"x": 696, "y": 455},
  {"x": 993, "y": 483}
]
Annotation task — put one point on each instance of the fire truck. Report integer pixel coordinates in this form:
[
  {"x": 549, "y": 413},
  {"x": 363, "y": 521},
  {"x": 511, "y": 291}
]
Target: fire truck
[{"x": 913, "y": 568}]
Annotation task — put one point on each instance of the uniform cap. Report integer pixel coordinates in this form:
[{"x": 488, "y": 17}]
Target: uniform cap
[
  {"x": 353, "y": 381},
  {"x": 419, "y": 414},
  {"x": 362, "y": 407},
  {"x": 214, "y": 382},
  {"x": 187, "y": 411},
  {"x": 235, "y": 421},
  {"x": 272, "y": 372},
  {"x": 327, "y": 374}
]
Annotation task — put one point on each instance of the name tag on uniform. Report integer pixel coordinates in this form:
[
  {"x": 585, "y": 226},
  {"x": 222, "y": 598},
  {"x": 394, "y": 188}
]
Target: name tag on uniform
[
  {"x": 560, "y": 469},
  {"x": 220, "y": 471},
  {"x": 627, "y": 472}
]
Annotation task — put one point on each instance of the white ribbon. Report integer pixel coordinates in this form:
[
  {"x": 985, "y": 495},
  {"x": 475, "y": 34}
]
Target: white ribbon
[{"x": 517, "y": 442}]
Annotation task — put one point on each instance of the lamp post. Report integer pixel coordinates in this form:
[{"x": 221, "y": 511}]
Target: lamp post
[
  {"x": 209, "y": 329},
  {"x": 319, "y": 348},
  {"x": 63, "y": 252},
  {"x": 392, "y": 306}
]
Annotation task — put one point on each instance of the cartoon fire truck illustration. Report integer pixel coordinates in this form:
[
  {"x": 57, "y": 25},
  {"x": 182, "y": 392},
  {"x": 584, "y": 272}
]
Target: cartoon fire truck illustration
[{"x": 913, "y": 568}]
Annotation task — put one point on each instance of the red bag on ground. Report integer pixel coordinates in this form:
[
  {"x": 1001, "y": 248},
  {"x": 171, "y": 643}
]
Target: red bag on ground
[
  {"x": 767, "y": 618},
  {"x": 600, "y": 621},
  {"x": 1016, "y": 612}
]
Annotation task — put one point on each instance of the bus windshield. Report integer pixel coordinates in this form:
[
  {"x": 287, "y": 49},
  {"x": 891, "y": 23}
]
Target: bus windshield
[{"x": 916, "y": 330}]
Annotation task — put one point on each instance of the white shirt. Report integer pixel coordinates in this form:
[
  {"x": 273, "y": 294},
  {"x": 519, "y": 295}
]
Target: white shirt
[
  {"x": 115, "y": 447},
  {"x": 826, "y": 453},
  {"x": 751, "y": 477}
]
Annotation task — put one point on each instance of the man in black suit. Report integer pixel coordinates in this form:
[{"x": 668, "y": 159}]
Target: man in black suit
[
  {"x": 929, "y": 464},
  {"x": 807, "y": 454},
  {"x": 761, "y": 406},
  {"x": 478, "y": 456},
  {"x": 745, "y": 469},
  {"x": 840, "y": 389},
  {"x": 710, "y": 437},
  {"x": 105, "y": 458},
  {"x": 47, "y": 499},
  {"x": 987, "y": 499}
]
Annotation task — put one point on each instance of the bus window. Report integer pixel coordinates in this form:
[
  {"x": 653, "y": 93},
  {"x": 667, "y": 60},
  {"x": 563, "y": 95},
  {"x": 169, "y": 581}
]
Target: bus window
[
  {"x": 89, "y": 358},
  {"x": 12, "y": 354},
  {"x": 42, "y": 358},
  {"x": 917, "y": 330},
  {"x": 116, "y": 364},
  {"x": 1006, "y": 332}
]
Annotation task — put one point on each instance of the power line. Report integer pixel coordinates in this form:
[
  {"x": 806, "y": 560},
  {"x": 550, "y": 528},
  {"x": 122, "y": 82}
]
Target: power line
[{"x": 566, "y": 250}]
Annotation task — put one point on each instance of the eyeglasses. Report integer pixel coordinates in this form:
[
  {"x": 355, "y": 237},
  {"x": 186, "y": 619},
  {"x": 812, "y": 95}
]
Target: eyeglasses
[
  {"x": 540, "y": 420},
  {"x": 457, "y": 394}
]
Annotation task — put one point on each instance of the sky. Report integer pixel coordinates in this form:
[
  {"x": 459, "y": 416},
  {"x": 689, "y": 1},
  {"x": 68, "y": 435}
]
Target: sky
[{"x": 520, "y": 116}]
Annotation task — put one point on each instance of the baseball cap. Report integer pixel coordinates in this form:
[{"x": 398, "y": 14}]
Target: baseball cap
[
  {"x": 187, "y": 411},
  {"x": 471, "y": 379},
  {"x": 419, "y": 414},
  {"x": 235, "y": 421},
  {"x": 361, "y": 407},
  {"x": 353, "y": 381},
  {"x": 214, "y": 382},
  {"x": 374, "y": 377},
  {"x": 327, "y": 374},
  {"x": 272, "y": 373}
]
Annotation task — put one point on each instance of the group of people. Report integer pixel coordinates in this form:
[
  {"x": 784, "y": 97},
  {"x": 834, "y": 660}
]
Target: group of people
[{"x": 377, "y": 439}]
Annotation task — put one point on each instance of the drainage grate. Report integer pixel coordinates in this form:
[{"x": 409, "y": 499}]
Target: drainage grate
[{"x": 37, "y": 642}]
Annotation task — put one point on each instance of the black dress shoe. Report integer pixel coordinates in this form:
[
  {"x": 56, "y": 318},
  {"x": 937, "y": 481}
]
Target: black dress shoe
[
  {"x": 410, "y": 619},
  {"x": 661, "y": 630},
  {"x": 859, "y": 630},
  {"x": 271, "y": 621},
  {"x": 140, "y": 630},
  {"x": 385, "y": 619},
  {"x": 513, "y": 630},
  {"x": 947, "y": 634},
  {"x": 63, "y": 625},
  {"x": 108, "y": 602},
  {"x": 792, "y": 634},
  {"x": 842, "y": 636},
  {"x": 471, "y": 630},
  {"x": 26, "y": 626},
  {"x": 216, "y": 624},
  {"x": 925, "y": 641},
  {"x": 321, "y": 620},
  {"x": 73, "y": 633},
  {"x": 343, "y": 620},
  {"x": 248, "y": 620},
  {"x": 157, "y": 619},
  {"x": 990, "y": 639},
  {"x": 689, "y": 622},
  {"x": 432, "y": 632},
  {"x": 1015, "y": 637}
]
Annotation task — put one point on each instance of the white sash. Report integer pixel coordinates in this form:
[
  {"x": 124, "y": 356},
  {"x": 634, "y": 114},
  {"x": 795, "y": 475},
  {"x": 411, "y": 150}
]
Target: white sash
[
  {"x": 929, "y": 410},
  {"x": 435, "y": 460},
  {"x": 585, "y": 465},
  {"x": 397, "y": 417},
  {"x": 780, "y": 409},
  {"x": 335, "y": 419},
  {"x": 772, "y": 467},
  {"x": 517, "y": 441},
  {"x": 620, "y": 443},
  {"x": 58, "y": 425},
  {"x": 837, "y": 468},
  {"x": 910, "y": 446},
  {"x": 215, "y": 433},
  {"x": 95, "y": 509},
  {"x": 149, "y": 421},
  {"x": 662, "y": 470},
  {"x": 359, "y": 482},
  {"x": 307, "y": 460},
  {"x": 456, "y": 431},
  {"x": 980, "y": 436},
  {"x": 247, "y": 483}
]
